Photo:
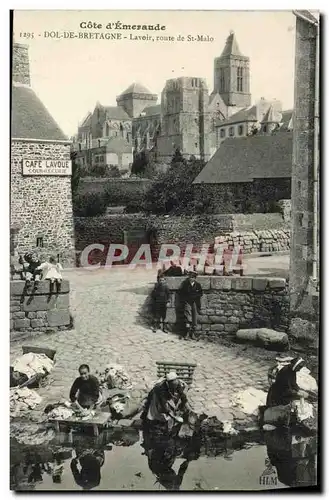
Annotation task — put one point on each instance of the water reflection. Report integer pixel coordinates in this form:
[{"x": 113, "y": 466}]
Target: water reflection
[
  {"x": 86, "y": 468},
  {"x": 293, "y": 455},
  {"x": 113, "y": 461},
  {"x": 162, "y": 450}
]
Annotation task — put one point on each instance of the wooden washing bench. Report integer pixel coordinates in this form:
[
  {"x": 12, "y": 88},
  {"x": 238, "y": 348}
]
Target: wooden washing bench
[
  {"x": 185, "y": 371},
  {"x": 98, "y": 422}
]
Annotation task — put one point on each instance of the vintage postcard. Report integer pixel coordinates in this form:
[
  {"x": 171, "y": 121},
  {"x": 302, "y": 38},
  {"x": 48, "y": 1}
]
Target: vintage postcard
[{"x": 164, "y": 250}]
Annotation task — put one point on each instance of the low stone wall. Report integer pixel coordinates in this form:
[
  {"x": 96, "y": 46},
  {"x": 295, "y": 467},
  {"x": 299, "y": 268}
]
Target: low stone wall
[
  {"x": 232, "y": 303},
  {"x": 39, "y": 310},
  {"x": 253, "y": 233}
]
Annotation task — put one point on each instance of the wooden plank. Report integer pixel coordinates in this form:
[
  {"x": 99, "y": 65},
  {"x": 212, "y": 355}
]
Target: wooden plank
[
  {"x": 99, "y": 419},
  {"x": 173, "y": 363}
]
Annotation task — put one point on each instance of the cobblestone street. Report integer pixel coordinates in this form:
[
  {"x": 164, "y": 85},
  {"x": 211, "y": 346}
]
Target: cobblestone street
[{"x": 105, "y": 305}]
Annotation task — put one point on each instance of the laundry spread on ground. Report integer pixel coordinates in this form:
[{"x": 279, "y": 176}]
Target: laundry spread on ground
[
  {"x": 249, "y": 400},
  {"x": 31, "y": 364},
  {"x": 114, "y": 376},
  {"x": 22, "y": 400}
]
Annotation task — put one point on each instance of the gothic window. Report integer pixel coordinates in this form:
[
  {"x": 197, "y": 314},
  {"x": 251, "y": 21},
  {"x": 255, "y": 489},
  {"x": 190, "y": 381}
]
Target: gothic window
[
  {"x": 40, "y": 242},
  {"x": 231, "y": 131},
  {"x": 265, "y": 129},
  {"x": 79, "y": 146},
  {"x": 99, "y": 143},
  {"x": 222, "y": 80},
  {"x": 240, "y": 130},
  {"x": 240, "y": 79},
  {"x": 222, "y": 132},
  {"x": 107, "y": 130}
]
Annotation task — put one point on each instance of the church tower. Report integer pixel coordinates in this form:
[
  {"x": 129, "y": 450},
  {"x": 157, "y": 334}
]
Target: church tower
[
  {"x": 232, "y": 76},
  {"x": 185, "y": 123}
]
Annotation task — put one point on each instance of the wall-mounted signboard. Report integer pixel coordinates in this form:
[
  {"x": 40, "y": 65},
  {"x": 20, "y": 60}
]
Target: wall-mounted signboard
[{"x": 35, "y": 166}]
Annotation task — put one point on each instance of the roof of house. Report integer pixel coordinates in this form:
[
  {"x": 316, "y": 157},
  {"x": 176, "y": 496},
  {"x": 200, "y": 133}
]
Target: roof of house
[
  {"x": 286, "y": 119},
  {"x": 30, "y": 119},
  {"x": 136, "y": 88},
  {"x": 116, "y": 113},
  {"x": 244, "y": 115},
  {"x": 248, "y": 158},
  {"x": 272, "y": 116},
  {"x": 152, "y": 110},
  {"x": 231, "y": 47}
]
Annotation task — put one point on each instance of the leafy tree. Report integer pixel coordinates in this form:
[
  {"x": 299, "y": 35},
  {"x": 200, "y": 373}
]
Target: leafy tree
[
  {"x": 89, "y": 205},
  {"x": 173, "y": 192},
  {"x": 76, "y": 173}
]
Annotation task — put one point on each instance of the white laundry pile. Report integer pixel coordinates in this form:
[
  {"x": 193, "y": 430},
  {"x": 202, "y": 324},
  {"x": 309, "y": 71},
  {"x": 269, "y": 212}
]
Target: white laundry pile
[
  {"x": 23, "y": 400},
  {"x": 114, "y": 377},
  {"x": 65, "y": 411},
  {"x": 304, "y": 410},
  {"x": 228, "y": 428},
  {"x": 32, "y": 364},
  {"x": 35, "y": 439},
  {"x": 305, "y": 381},
  {"x": 249, "y": 400}
]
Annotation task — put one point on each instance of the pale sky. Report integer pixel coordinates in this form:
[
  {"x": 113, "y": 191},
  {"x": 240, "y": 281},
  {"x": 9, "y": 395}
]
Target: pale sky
[{"x": 71, "y": 75}]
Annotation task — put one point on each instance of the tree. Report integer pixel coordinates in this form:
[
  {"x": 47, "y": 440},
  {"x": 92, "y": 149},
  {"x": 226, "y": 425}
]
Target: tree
[
  {"x": 173, "y": 191},
  {"x": 143, "y": 166},
  {"x": 76, "y": 173}
]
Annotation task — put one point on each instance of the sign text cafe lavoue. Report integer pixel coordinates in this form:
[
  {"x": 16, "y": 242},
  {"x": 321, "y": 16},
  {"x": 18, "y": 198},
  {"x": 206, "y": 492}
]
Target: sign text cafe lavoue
[{"x": 47, "y": 167}]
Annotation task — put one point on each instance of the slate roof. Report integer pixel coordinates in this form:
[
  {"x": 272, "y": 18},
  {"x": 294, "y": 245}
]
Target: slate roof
[
  {"x": 272, "y": 116},
  {"x": 116, "y": 113},
  {"x": 286, "y": 119},
  {"x": 244, "y": 115},
  {"x": 152, "y": 110},
  {"x": 231, "y": 47},
  {"x": 30, "y": 119},
  {"x": 249, "y": 158},
  {"x": 136, "y": 88}
]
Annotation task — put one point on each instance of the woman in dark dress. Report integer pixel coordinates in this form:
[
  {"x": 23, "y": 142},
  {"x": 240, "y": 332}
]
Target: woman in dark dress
[{"x": 285, "y": 389}]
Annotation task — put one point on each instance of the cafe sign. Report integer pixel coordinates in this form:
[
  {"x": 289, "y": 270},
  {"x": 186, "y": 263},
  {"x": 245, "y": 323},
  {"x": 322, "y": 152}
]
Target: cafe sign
[{"x": 35, "y": 166}]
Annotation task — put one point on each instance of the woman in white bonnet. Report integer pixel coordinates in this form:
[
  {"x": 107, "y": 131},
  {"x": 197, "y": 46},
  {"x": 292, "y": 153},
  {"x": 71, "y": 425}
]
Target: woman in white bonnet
[{"x": 166, "y": 400}]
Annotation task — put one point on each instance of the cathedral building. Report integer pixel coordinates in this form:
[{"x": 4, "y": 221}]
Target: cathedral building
[{"x": 188, "y": 118}]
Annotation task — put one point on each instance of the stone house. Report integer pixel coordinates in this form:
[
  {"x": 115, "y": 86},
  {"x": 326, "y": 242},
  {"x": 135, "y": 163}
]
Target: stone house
[
  {"x": 247, "y": 175},
  {"x": 40, "y": 174}
]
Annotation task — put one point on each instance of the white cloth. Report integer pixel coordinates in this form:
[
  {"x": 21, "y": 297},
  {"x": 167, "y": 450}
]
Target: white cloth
[
  {"x": 305, "y": 381},
  {"x": 32, "y": 364},
  {"x": 51, "y": 271},
  {"x": 249, "y": 400}
]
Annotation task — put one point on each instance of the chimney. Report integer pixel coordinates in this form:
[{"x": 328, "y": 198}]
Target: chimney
[{"x": 21, "y": 64}]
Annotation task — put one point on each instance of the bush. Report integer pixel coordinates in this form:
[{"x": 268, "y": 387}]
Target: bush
[
  {"x": 89, "y": 205},
  {"x": 125, "y": 192},
  {"x": 173, "y": 190}
]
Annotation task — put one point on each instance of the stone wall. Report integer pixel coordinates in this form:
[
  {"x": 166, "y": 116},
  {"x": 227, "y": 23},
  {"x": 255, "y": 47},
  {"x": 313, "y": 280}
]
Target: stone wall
[
  {"x": 96, "y": 185},
  {"x": 41, "y": 206},
  {"x": 273, "y": 234},
  {"x": 304, "y": 280},
  {"x": 21, "y": 66},
  {"x": 38, "y": 310},
  {"x": 232, "y": 303}
]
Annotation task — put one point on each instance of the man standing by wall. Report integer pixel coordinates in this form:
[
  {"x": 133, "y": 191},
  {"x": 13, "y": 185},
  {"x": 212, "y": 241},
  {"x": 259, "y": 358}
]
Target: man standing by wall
[{"x": 190, "y": 293}]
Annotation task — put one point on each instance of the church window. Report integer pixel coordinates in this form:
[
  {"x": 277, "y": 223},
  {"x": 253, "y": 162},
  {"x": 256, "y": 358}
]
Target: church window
[
  {"x": 40, "y": 242},
  {"x": 231, "y": 131},
  {"x": 240, "y": 130},
  {"x": 222, "y": 80},
  {"x": 107, "y": 130},
  {"x": 99, "y": 143},
  {"x": 222, "y": 132},
  {"x": 79, "y": 146},
  {"x": 196, "y": 144},
  {"x": 240, "y": 79},
  {"x": 265, "y": 129}
]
